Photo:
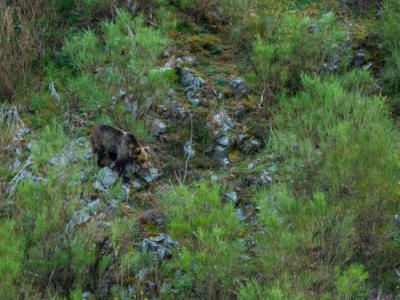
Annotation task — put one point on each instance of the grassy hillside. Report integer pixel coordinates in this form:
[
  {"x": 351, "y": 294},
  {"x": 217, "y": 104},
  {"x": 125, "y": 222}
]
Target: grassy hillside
[{"x": 273, "y": 128}]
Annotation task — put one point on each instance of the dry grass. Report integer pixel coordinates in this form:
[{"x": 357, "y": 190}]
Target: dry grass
[{"x": 20, "y": 42}]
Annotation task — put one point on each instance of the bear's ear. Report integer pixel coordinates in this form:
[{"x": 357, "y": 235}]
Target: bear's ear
[{"x": 147, "y": 149}]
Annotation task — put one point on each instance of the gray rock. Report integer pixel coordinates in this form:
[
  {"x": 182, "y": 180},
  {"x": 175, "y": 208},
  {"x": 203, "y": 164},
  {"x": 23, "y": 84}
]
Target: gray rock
[
  {"x": 20, "y": 135},
  {"x": 251, "y": 145},
  {"x": 86, "y": 295},
  {"x": 222, "y": 123},
  {"x": 24, "y": 173},
  {"x": 336, "y": 64},
  {"x": 348, "y": 43},
  {"x": 137, "y": 185},
  {"x": 240, "y": 214},
  {"x": 252, "y": 165},
  {"x": 239, "y": 86},
  {"x": 72, "y": 152},
  {"x": 148, "y": 102},
  {"x": 118, "y": 96},
  {"x": 132, "y": 107},
  {"x": 265, "y": 177},
  {"x": 313, "y": 28},
  {"x": 189, "y": 58},
  {"x": 194, "y": 101},
  {"x": 240, "y": 112},
  {"x": 192, "y": 85},
  {"x": 161, "y": 246},
  {"x": 79, "y": 217},
  {"x": 169, "y": 65},
  {"x": 158, "y": 127},
  {"x": 368, "y": 66},
  {"x": 225, "y": 141},
  {"x": 261, "y": 179},
  {"x": 130, "y": 170},
  {"x": 197, "y": 82},
  {"x": 107, "y": 177},
  {"x": 153, "y": 175},
  {"x": 16, "y": 164},
  {"x": 332, "y": 66},
  {"x": 141, "y": 275},
  {"x": 171, "y": 92},
  {"x": 220, "y": 152},
  {"x": 359, "y": 58},
  {"x": 232, "y": 197},
  {"x": 177, "y": 110},
  {"x": 94, "y": 206},
  {"x": 186, "y": 76},
  {"x": 225, "y": 162},
  {"x": 188, "y": 150}
]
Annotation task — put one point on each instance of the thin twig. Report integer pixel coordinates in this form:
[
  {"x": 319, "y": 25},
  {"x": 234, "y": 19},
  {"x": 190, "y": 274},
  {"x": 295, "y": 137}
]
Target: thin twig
[
  {"x": 261, "y": 98},
  {"x": 190, "y": 149}
]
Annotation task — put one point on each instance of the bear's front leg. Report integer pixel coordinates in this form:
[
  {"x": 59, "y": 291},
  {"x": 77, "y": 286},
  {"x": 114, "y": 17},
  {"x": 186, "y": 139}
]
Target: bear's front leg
[
  {"x": 120, "y": 166},
  {"x": 100, "y": 158}
]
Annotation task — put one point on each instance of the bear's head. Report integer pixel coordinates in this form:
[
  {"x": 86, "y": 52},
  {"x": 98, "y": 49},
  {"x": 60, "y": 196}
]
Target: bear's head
[{"x": 141, "y": 156}]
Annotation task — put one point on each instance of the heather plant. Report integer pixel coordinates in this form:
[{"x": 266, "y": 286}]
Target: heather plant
[
  {"x": 361, "y": 81},
  {"x": 209, "y": 232},
  {"x": 51, "y": 140},
  {"x": 11, "y": 255},
  {"x": 251, "y": 18},
  {"x": 342, "y": 143},
  {"x": 126, "y": 60},
  {"x": 279, "y": 58},
  {"x": 390, "y": 29},
  {"x": 351, "y": 284}
]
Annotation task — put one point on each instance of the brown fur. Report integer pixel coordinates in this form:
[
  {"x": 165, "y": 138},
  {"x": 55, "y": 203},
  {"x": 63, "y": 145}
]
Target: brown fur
[{"x": 112, "y": 144}]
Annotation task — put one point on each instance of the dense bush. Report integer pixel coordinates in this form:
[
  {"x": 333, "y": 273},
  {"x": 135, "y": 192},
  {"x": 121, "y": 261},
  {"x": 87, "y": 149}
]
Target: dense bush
[
  {"x": 210, "y": 235},
  {"x": 248, "y": 19},
  {"x": 22, "y": 28},
  {"x": 343, "y": 144},
  {"x": 390, "y": 31},
  {"x": 298, "y": 45},
  {"x": 11, "y": 253},
  {"x": 125, "y": 61}
]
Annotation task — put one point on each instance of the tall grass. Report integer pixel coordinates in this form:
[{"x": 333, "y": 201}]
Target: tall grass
[{"x": 20, "y": 41}]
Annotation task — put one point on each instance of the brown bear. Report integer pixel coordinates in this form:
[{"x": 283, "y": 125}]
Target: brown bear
[{"x": 112, "y": 144}]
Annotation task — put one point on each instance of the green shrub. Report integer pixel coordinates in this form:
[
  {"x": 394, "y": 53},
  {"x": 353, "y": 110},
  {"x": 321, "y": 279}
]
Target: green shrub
[
  {"x": 351, "y": 284},
  {"x": 126, "y": 60},
  {"x": 42, "y": 212},
  {"x": 11, "y": 255},
  {"x": 390, "y": 31},
  {"x": 293, "y": 48},
  {"x": 342, "y": 143},
  {"x": 285, "y": 249},
  {"x": 49, "y": 143},
  {"x": 359, "y": 81},
  {"x": 209, "y": 233},
  {"x": 91, "y": 91},
  {"x": 254, "y": 291},
  {"x": 248, "y": 19},
  {"x": 390, "y": 28},
  {"x": 42, "y": 224},
  {"x": 83, "y": 257},
  {"x": 83, "y": 50}
]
